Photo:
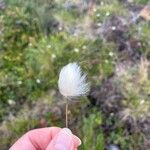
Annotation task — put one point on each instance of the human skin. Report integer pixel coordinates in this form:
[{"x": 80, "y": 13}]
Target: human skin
[{"x": 52, "y": 138}]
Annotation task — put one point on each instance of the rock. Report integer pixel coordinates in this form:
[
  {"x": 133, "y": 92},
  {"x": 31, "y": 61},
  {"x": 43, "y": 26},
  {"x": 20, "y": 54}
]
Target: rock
[
  {"x": 115, "y": 29},
  {"x": 113, "y": 147},
  {"x": 81, "y": 6},
  {"x": 144, "y": 126},
  {"x": 70, "y": 5},
  {"x": 2, "y": 5},
  {"x": 145, "y": 13},
  {"x": 107, "y": 96},
  {"x": 147, "y": 144},
  {"x": 130, "y": 50}
]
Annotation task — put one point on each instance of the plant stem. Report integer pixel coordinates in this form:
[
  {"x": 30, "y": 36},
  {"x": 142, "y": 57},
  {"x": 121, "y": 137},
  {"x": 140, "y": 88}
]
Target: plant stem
[{"x": 66, "y": 113}]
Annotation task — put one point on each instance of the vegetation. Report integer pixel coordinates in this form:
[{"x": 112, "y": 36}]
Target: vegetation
[{"x": 108, "y": 39}]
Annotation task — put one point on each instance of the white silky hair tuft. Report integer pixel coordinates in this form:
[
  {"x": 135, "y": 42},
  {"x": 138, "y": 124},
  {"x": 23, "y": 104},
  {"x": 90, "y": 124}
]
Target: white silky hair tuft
[{"x": 72, "y": 82}]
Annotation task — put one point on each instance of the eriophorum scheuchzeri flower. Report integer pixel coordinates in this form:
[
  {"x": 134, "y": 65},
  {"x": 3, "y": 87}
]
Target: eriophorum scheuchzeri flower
[{"x": 72, "y": 83}]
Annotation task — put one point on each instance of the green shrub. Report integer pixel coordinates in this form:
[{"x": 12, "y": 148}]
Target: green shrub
[{"x": 92, "y": 135}]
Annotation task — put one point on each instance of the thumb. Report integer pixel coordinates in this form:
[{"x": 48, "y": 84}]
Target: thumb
[{"x": 64, "y": 140}]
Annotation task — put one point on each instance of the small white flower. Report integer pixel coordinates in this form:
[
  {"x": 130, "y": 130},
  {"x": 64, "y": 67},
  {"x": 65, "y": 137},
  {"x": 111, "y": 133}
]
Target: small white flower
[
  {"x": 19, "y": 82},
  {"x": 142, "y": 101},
  {"x": 60, "y": 28},
  {"x": 139, "y": 29},
  {"x": 76, "y": 50},
  {"x": 98, "y": 15},
  {"x": 111, "y": 114},
  {"x": 72, "y": 82},
  {"x": 84, "y": 47},
  {"x": 99, "y": 24},
  {"x": 130, "y": 1},
  {"x": 38, "y": 81},
  {"x": 94, "y": 9},
  {"x": 113, "y": 147},
  {"x": 111, "y": 54},
  {"x": 11, "y": 102},
  {"x": 107, "y": 13},
  {"x": 113, "y": 28},
  {"x": 139, "y": 43},
  {"x": 102, "y": 3},
  {"x": 75, "y": 34},
  {"x": 49, "y": 46},
  {"x": 53, "y": 56},
  {"x": 106, "y": 61},
  {"x": 30, "y": 44}
]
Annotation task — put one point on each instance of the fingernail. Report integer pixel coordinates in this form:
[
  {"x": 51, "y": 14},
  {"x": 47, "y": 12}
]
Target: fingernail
[
  {"x": 68, "y": 131},
  {"x": 64, "y": 140},
  {"x": 79, "y": 141}
]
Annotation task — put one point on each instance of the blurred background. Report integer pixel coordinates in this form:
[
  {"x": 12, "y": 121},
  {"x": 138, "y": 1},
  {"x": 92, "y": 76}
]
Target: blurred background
[{"x": 111, "y": 42}]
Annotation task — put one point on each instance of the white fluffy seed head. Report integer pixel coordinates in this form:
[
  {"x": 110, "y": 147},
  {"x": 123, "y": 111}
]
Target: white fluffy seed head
[{"x": 72, "y": 82}]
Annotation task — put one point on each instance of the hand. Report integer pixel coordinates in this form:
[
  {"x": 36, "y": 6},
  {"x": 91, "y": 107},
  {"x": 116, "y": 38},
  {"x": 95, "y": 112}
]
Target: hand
[{"x": 52, "y": 138}]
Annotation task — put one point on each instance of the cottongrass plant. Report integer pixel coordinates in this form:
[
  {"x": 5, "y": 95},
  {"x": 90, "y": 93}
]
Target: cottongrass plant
[{"x": 72, "y": 83}]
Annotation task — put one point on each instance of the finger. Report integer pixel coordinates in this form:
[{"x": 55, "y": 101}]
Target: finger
[
  {"x": 36, "y": 139},
  {"x": 40, "y": 138},
  {"x": 77, "y": 141},
  {"x": 64, "y": 140},
  {"x": 24, "y": 143}
]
